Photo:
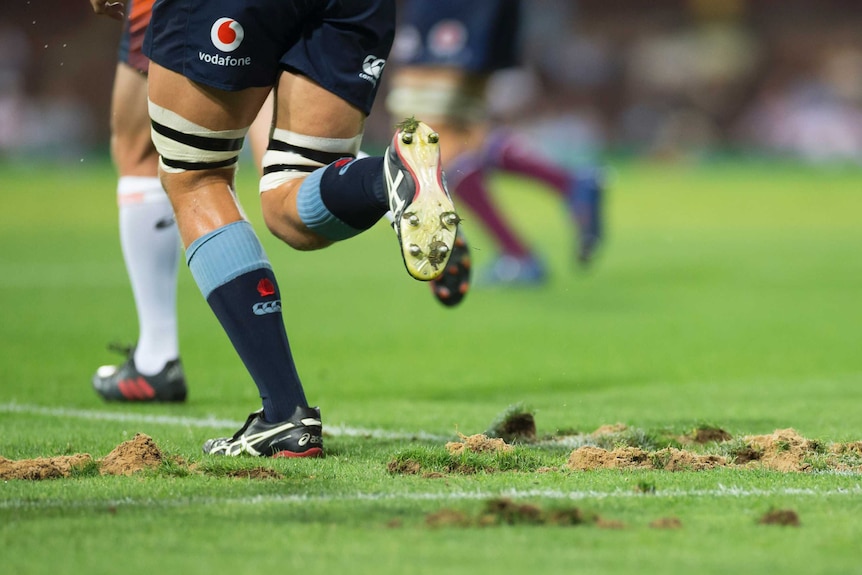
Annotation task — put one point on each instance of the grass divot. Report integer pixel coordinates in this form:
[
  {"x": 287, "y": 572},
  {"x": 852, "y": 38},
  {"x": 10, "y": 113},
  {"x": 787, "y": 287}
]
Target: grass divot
[
  {"x": 139, "y": 454},
  {"x": 478, "y": 443},
  {"x": 666, "y": 523},
  {"x": 504, "y": 511},
  {"x": 670, "y": 459},
  {"x": 786, "y": 517},
  {"x": 256, "y": 473},
  {"x": 44, "y": 467},
  {"x": 783, "y": 450},
  {"x": 129, "y": 457},
  {"x": 473, "y": 454},
  {"x": 516, "y": 424}
]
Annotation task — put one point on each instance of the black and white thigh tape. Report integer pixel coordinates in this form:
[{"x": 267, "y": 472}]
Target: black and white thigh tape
[
  {"x": 183, "y": 145},
  {"x": 290, "y": 155}
]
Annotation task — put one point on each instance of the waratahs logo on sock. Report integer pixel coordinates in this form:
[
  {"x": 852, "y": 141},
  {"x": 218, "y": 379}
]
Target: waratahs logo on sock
[
  {"x": 266, "y": 288},
  {"x": 226, "y": 34}
]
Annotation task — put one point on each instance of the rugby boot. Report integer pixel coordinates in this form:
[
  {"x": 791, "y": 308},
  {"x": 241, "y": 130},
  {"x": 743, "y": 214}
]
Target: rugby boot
[
  {"x": 586, "y": 205},
  {"x": 299, "y": 436},
  {"x": 425, "y": 221},
  {"x": 514, "y": 271},
  {"x": 451, "y": 287},
  {"x": 125, "y": 383}
]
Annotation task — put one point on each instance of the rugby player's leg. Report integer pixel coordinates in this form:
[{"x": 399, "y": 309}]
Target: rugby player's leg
[
  {"x": 313, "y": 129},
  {"x": 315, "y": 192},
  {"x": 198, "y": 131},
  {"x": 454, "y": 101},
  {"x": 148, "y": 233},
  {"x": 150, "y": 246}
]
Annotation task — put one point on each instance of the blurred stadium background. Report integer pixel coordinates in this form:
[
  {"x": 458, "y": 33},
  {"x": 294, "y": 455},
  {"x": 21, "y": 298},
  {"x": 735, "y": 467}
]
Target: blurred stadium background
[{"x": 670, "y": 79}]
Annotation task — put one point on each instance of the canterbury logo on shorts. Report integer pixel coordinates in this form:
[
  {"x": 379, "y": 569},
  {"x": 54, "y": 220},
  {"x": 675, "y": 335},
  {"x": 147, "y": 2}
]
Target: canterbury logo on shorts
[{"x": 372, "y": 68}]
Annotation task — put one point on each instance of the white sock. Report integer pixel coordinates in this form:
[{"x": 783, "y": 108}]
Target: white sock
[{"x": 151, "y": 248}]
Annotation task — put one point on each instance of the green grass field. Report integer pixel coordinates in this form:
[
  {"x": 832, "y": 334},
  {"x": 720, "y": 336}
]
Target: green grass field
[{"x": 727, "y": 295}]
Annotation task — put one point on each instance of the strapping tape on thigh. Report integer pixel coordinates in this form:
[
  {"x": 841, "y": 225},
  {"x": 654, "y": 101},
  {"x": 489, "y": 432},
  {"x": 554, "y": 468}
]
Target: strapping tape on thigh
[
  {"x": 290, "y": 156},
  {"x": 184, "y": 145}
]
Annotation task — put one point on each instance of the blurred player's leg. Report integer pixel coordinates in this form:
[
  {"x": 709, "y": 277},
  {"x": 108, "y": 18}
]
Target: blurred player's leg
[
  {"x": 150, "y": 245},
  {"x": 515, "y": 264},
  {"x": 581, "y": 189},
  {"x": 448, "y": 50}
]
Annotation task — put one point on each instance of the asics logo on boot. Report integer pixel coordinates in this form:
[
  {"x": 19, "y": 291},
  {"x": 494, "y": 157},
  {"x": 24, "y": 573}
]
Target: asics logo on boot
[
  {"x": 307, "y": 438},
  {"x": 396, "y": 203}
]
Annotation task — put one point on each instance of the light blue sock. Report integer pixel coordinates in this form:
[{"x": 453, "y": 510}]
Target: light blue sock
[{"x": 224, "y": 254}]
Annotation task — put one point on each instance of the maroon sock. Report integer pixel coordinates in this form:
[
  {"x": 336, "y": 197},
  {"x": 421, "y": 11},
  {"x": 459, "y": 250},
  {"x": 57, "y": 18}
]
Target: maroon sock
[
  {"x": 505, "y": 152},
  {"x": 471, "y": 191}
]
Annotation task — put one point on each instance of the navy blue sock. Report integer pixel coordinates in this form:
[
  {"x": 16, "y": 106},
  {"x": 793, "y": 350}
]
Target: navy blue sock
[
  {"x": 237, "y": 281},
  {"x": 344, "y": 198}
]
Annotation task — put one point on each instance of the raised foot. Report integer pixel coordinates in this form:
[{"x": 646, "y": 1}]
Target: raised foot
[{"x": 425, "y": 217}]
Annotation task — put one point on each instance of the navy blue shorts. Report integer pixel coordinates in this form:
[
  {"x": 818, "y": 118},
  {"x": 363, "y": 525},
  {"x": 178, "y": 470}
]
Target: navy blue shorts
[
  {"x": 475, "y": 35},
  {"x": 231, "y": 45}
]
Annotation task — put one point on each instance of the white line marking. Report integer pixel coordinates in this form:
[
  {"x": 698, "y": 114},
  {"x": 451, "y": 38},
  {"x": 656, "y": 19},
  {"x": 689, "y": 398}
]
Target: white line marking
[
  {"x": 209, "y": 422},
  {"x": 212, "y": 422},
  {"x": 721, "y": 491}
]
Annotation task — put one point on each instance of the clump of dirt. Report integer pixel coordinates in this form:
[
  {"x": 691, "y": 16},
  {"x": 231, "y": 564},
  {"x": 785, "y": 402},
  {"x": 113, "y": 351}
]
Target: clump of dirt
[
  {"x": 589, "y": 457},
  {"x": 783, "y": 450},
  {"x": 704, "y": 435},
  {"x": 447, "y": 518},
  {"x": 566, "y": 516},
  {"x": 515, "y": 425},
  {"x": 780, "y": 517},
  {"x": 670, "y": 459},
  {"x": 518, "y": 427},
  {"x": 511, "y": 513},
  {"x": 128, "y": 458},
  {"x": 745, "y": 454},
  {"x": 504, "y": 511},
  {"x": 603, "y": 523},
  {"x": 479, "y": 443},
  {"x": 666, "y": 523},
  {"x": 139, "y": 453},
  {"x": 405, "y": 467},
  {"x": 610, "y": 429},
  {"x": 256, "y": 473},
  {"x": 473, "y": 454},
  {"x": 43, "y": 467},
  {"x": 842, "y": 448}
]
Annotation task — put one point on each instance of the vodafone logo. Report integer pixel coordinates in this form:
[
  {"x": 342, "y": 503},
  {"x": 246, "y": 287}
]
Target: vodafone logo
[{"x": 227, "y": 34}]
